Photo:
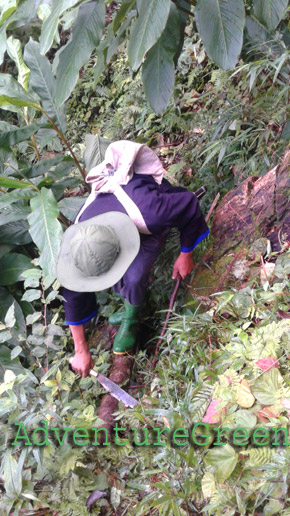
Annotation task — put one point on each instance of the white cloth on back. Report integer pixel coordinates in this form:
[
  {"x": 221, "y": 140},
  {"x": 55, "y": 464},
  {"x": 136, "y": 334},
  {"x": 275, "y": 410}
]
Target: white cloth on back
[{"x": 123, "y": 159}]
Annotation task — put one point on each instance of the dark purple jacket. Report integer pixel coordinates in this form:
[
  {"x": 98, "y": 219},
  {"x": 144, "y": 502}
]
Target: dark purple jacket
[{"x": 162, "y": 206}]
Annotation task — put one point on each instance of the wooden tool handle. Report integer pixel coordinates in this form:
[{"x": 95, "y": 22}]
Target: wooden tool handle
[{"x": 164, "y": 328}]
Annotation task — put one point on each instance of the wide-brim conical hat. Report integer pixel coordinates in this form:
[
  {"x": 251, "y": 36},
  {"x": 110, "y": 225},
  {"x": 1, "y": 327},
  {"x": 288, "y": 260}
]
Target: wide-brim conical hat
[{"x": 72, "y": 278}]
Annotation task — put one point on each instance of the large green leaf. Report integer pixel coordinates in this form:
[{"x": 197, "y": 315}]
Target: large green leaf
[
  {"x": 14, "y": 50},
  {"x": 96, "y": 147},
  {"x": 8, "y": 182},
  {"x": 2, "y": 43},
  {"x": 46, "y": 230},
  {"x": 7, "y": 9},
  {"x": 15, "y": 233},
  {"x": 50, "y": 25},
  {"x": 59, "y": 187},
  {"x": 101, "y": 62},
  {"x": 266, "y": 387},
  {"x": 68, "y": 18},
  {"x": 43, "y": 83},
  {"x": 5, "y": 249},
  {"x": 270, "y": 12},
  {"x": 13, "y": 365},
  {"x": 13, "y": 214},
  {"x": 286, "y": 133},
  {"x": 6, "y": 300},
  {"x": 45, "y": 165},
  {"x": 86, "y": 34},
  {"x": 224, "y": 459},
  {"x": 26, "y": 10},
  {"x": 11, "y": 135},
  {"x": 12, "y": 477},
  {"x": 31, "y": 295},
  {"x": 12, "y": 93},
  {"x": 245, "y": 418},
  {"x": 113, "y": 43},
  {"x": 146, "y": 29},
  {"x": 110, "y": 44},
  {"x": 126, "y": 6},
  {"x": 220, "y": 24},
  {"x": 43, "y": 11},
  {"x": 11, "y": 197},
  {"x": 273, "y": 508},
  {"x": 8, "y": 162},
  {"x": 11, "y": 267},
  {"x": 255, "y": 31},
  {"x": 70, "y": 206},
  {"x": 182, "y": 6},
  {"x": 62, "y": 170},
  {"x": 17, "y": 17},
  {"x": 158, "y": 70}
]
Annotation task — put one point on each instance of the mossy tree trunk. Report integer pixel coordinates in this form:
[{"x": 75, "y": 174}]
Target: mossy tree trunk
[{"x": 252, "y": 214}]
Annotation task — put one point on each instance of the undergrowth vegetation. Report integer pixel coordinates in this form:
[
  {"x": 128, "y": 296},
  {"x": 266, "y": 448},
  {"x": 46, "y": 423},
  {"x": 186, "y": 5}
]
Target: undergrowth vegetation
[
  {"x": 219, "y": 127},
  {"x": 204, "y": 358}
]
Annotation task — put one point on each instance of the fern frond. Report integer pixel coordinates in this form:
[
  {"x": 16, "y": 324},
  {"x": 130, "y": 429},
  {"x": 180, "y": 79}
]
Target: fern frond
[
  {"x": 102, "y": 91},
  {"x": 200, "y": 401},
  {"x": 70, "y": 461},
  {"x": 258, "y": 457}
]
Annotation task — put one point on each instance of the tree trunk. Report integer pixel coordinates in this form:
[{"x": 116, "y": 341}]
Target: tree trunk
[{"x": 250, "y": 216}]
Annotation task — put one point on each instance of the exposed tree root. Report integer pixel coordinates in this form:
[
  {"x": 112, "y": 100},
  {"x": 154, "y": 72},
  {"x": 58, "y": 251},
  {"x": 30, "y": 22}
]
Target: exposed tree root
[{"x": 120, "y": 374}]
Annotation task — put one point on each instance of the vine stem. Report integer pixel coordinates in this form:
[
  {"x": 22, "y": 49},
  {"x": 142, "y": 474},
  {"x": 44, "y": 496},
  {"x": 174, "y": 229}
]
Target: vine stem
[
  {"x": 36, "y": 360},
  {"x": 33, "y": 141},
  {"x": 210, "y": 352},
  {"x": 215, "y": 201},
  {"x": 63, "y": 138},
  {"x": 28, "y": 180},
  {"x": 45, "y": 321},
  {"x": 35, "y": 147},
  {"x": 64, "y": 220},
  {"x": 169, "y": 311}
]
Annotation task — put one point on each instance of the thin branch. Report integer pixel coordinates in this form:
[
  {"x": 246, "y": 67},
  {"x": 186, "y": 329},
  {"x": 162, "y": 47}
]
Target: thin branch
[
  {"x": 45, "y": 320},
  {"x": 64, "y": 220},
  {"x": 28, "y": 181},
  {"x": 169, "y": 312},
  {"x": 215, "y": 201},
  {"x": 2, "y": 190},
  {"x": 35, "y": 147},
  {"x": 63, "y": 138},
  {"x": 210, "y": 352},
  {"x": 167, "y": 145},
  {"x": 23, "y": 176},
  {"x": 33, "y": 141},
  {"x": 36, "y": 360}
]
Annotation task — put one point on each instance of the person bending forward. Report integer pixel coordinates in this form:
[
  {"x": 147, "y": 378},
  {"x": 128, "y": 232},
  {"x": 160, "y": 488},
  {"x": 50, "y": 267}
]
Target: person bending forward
[{"x": 116, "y": 238}]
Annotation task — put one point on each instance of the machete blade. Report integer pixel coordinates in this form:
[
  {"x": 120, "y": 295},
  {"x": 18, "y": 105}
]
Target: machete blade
[{"x": 115, "y": 390}]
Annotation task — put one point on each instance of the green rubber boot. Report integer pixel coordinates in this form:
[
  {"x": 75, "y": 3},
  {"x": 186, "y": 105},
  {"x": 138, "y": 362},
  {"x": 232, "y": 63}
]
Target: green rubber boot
[
  {"x": 126, "y": 336},
  {"x": 116, "y": 318}
]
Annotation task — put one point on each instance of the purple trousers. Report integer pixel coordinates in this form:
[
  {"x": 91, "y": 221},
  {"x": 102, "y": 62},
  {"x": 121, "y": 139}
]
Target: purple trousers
[
  {"x": 81, "y": 306},
  {"x": 132, "y": 286}
]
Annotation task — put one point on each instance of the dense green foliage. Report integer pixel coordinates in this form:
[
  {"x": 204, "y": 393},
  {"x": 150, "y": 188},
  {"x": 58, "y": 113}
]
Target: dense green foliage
[
  {"x": 154, "y": 29},
  {"x": 219, "y": 127},
  {"x": 188, "y": 376}
]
